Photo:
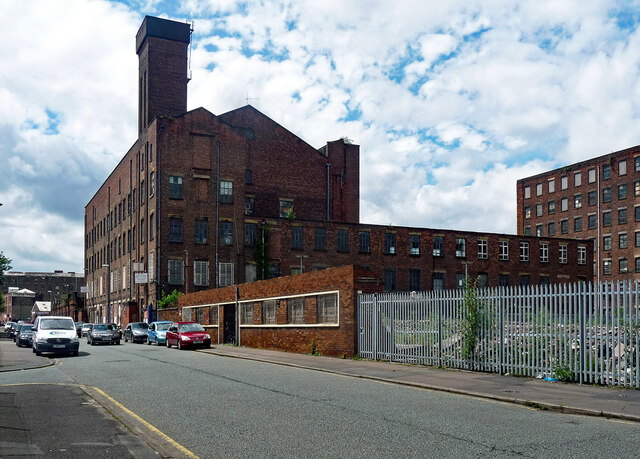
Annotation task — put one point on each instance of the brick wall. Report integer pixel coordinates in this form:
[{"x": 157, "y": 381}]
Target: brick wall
[{"x": 333, "y": 340}]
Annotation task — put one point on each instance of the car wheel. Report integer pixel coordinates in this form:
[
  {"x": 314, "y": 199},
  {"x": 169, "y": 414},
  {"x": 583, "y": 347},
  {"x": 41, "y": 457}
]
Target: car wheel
[
  {"x": 179, "y": 344},
  {"x": 168, "y": 343},
  {"x": 126, "y": 340},
  {"x": 38, "y": 352},
  {"x": 157, "y": 343},
  {"x": 33, "y": 349},
  {"x": 75, "y": 353}
]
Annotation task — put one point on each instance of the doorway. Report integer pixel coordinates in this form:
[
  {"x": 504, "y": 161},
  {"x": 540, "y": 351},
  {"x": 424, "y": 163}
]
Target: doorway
[{"x": 229, "y": 334}]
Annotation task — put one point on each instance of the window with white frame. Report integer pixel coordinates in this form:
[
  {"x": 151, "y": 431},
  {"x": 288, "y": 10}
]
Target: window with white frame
[
  {"x": 582, "y": 255},
  {"x": 483, "y": 249},
  {"x": 176, "y": 272},
  {"x": 544, "y": 252},
  {"x": 327, "y": 307},
  {"x": 564, "y": 182},
  {"x": 563, "y": 250},
  {"x": 269, "y": 312},
  {"x": 461, "y": 247},
  {"x": 225, "y": 274},
  {"x": 151, "y": 269},
  {"x": 226, "y": 191},
  {"x": 527, "y": 192},
  {"x": 592, "y": 175},
  {"x": 606, "y": 266},
  {"x": 552, "y": 186},
  {"x": 295, "y": 310},
  {"x": 524, "y": 251},
  {"x": 201, "y": 273},
  {"x": 539, "y": 189},
  {"x": 577, "y": 179},
  {"x": 503, "y": 253}
]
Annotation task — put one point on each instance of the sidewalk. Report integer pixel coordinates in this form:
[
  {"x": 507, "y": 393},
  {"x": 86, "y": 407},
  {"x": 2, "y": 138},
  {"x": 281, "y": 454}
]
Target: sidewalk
[{"x": 565, "y": 398}]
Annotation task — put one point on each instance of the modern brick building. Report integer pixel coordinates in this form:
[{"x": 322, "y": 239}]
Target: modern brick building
[
  {"x": 596, "y": 200},
  {"x": 203, "y": 201}
]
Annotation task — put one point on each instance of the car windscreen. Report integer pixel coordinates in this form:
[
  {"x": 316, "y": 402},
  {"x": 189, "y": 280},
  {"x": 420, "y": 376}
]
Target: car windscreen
[
  {"x": 162, "y": 327},
  {"x": 140, "y": 326},
  {"x": 184, "y": 328},
  {"x": 57, "y": 324},
  {"x": 102, "y": 327},
  {"x": 25, "y": 328}
]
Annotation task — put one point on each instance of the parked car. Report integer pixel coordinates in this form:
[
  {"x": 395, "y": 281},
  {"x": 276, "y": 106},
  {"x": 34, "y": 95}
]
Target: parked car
[
  {"x": 85, "y": 329},
  {"x": 103, "y": 333},
  {"x": 25, "y": 337},
  {"x": 187, "y": 334},
  {"x": 79, "y": 328},
  {"x": 56, "y": 334},
  {"x": 136, "y": 332},
  {"x": 157, "y": 332},
  {"x": 15, "y": 329},
  {"x": 8, "y": 325}
]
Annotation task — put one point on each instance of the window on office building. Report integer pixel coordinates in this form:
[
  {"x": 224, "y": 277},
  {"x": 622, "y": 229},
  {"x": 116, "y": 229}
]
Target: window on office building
[
  {"x": 606, "y": 242},
  {"x": 483, "y": 249},
  {"x": 176, "y": 272},
  {"x": 591, "y": 198},
  {"x": 175, "y": 229},
  {"x": 539, "y": 189},
  {"x": 527, "y": 192},
  {"x": 592, "y": 221},
  {"x": 201, "y": 273},
  {"x": 637, "y": 262},
  {"x": 564, "y": 226},
  {"x": 527, "y": 212},
  {"x": 438, "y": 245},
  {"x": 390, "y": 243},
  {"x": 622, "y": 265},
  {"x": 592, "y": 175},
  {"x": 606, "y": 266},
  {"x": 577, "y": 201},
  {"x": 606, "y": 171},
  {"x": 226, "y": 233},
  {"x": 622, "y": 191},
  {"x": 606, "y": 218},
  {"x": 544, "y": 252},
  {"x": 552, "y": 186},
  {"x": 538, "y": 210},
  {"x": 503, "y": 247},
  {"x": 524, "y": 251},
  {"x": 365, "y": 241},
  {"x": 577, "y": 179},
  {"x": 582, "y": 255},
  {"x": 564, "y": 204},
  {"x": 563, "y": 252},
  {"x": 414, "y": 244},
  {"x": 636, "y": 211},
  {"x": 175, "y": 187},
  {"x": 577, "y": 224},
  {"x": 622, "y": 216},
  {"x": 551, "y": 207},
  {"x": 461, "y": 247},
  {"x": 539, "y": 230},
  {"x": 201, "y": 231},
  {"x": 606, "y": 194},
  {"x": 551, "y": 229},
  {"x": 564, "y": 182},
  {"x": 622, "y": 240},
  {"x": 622, "y": 167}
]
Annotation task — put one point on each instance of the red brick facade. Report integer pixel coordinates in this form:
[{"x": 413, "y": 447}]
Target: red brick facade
[
  {"x": 338, "y": 338},
  {"x": 597, "y": 200},
  {"x": 188, "y": 204}
]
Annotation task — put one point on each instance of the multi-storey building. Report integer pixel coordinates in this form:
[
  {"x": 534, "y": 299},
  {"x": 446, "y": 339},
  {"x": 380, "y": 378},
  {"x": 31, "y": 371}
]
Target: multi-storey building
[
  {"x": 203, "y": 200},
  {"x": 598, "y": 200},
  {"x": 46, "y": 286}
]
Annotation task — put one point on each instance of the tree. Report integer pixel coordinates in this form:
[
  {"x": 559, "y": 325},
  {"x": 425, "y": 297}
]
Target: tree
[
  {"x": 170, "y": 300},
  {"x": 5, "y": 265}
]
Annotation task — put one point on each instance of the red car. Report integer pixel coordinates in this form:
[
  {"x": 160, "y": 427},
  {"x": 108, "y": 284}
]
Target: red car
[{"x": 187, "y": 334}]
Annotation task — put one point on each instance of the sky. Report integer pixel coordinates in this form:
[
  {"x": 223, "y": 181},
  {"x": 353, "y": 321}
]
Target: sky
[{"x": 450, "y": 101}]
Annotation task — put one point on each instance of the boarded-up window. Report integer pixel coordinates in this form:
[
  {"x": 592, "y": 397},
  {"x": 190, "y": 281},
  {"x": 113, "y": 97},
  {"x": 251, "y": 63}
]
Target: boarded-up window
[
  {"x": 327, "y": 306},
  {"x": 269, "y": 312},
  {"x": 295, "y": 311},
  {"x": 213, "y": 315},
  {"x": 187, "y": 314},
  {"x": 225, "y": 274},
  {"x": 247, "y": 314},
  {"x": 201, "y": 273}
]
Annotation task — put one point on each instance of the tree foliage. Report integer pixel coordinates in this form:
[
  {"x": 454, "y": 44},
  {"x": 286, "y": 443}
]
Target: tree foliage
[
  {"x": 5, "y": 265},
  {"x": 170, "y": 300}
]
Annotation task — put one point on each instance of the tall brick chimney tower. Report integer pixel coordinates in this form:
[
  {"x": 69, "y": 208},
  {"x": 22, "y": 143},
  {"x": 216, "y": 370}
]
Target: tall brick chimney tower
[{"x": 162, "y": 47}]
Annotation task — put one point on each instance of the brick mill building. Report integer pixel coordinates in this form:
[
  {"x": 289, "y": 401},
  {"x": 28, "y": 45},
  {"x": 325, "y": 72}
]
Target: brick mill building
[
  {"x": 202, "y": 201},
  {"x": 595, "y": 200}
]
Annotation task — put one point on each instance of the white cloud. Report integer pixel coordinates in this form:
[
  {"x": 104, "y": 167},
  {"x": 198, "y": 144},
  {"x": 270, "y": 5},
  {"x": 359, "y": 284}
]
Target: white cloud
[{"x": 453, "y": 101}]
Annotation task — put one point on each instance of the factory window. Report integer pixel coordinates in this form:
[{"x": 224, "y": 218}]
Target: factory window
[{"x": 175, "y": 187}]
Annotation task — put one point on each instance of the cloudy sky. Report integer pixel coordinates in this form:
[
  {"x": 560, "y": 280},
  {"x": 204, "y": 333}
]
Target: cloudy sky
[{"x": 450, "y": 101}]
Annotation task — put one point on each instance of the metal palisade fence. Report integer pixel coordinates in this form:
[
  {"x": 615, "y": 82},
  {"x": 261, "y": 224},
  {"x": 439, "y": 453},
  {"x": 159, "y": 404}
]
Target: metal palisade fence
[{"x": 587, "y": 333}]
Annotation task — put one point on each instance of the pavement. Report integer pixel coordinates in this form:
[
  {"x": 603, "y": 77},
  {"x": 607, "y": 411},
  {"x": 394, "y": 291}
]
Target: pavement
[{"x": 124, "y": 434}]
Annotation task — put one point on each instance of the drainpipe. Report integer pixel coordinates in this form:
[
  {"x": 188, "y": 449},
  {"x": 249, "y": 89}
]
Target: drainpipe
[
  {"x": 328, "y": 185},
  {"x": 598, "y": 224},
  {"x": 217, "y": 205}
]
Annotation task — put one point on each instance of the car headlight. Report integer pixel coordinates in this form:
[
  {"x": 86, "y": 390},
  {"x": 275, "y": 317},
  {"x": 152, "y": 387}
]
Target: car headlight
[
  {"x": 41, "y": 339},
  {"x": 185, "y": 338}
]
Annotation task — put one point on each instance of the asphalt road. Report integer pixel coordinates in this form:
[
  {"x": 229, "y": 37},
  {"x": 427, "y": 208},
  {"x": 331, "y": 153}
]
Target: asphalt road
[{"x": 221, "y": 407}]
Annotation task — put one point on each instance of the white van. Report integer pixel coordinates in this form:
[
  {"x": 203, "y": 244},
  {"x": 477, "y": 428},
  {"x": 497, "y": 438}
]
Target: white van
[{"x": 55, "y": 334}]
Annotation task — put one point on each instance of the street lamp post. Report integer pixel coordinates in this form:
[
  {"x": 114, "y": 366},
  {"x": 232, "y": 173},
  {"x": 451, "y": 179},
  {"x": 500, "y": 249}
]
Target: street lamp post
[{"x": 108, "y": 266}]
